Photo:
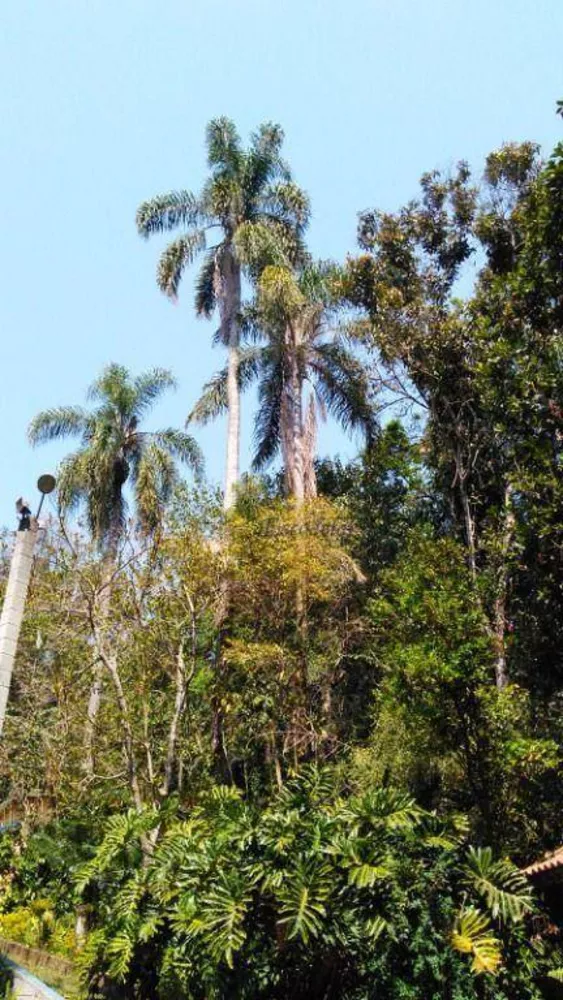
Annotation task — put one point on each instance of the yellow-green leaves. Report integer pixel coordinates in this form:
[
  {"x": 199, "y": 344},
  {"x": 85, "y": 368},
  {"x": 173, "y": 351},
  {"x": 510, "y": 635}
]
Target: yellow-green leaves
[{"x": 472, "y": 935}]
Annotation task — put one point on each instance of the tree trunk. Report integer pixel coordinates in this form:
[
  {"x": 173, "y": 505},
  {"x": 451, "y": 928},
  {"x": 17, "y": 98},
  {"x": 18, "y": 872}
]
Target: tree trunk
[
  {"x": 183, "y": 680},
  {"x": 110, "y": 663},
  {"x": 461, "y": 477},
  {"x": 94, "y": 702},
  {"x": 292, "y": 438},
  {"x": 469, "y": 531},
  {"x": 499, "y": 607},
  {"x": 310, "y": 449},
  {"x": 82, "y": 913},
  {"x": 97, "y": 685},
  {"x": 228, "y": 292},
  {"x": 499, "y": 625}
]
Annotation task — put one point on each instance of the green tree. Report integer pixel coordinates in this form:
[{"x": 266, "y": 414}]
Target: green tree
[
  {"x": 385, "y": 495},
  {"x": 247, "y": 190},
  {"x": 114, "y": 451},
  {"x": 295, "y": 345},
  {"x": 480, "y": 369}
]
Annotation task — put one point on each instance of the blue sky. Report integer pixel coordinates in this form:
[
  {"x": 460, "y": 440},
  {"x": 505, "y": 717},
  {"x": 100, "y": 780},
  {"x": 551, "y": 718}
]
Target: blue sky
[{"x": 104, "y": 103}]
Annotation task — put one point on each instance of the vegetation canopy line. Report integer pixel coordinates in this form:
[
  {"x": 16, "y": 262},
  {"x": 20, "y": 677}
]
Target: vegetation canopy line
[{"x": 309, "y": 746}]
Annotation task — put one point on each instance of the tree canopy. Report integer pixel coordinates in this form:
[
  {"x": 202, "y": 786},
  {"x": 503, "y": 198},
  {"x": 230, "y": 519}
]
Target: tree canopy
[{"x": 327, "y": 736}]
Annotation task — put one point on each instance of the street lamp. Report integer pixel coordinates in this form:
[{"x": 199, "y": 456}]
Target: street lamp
[{"x": 16, "y": 590}]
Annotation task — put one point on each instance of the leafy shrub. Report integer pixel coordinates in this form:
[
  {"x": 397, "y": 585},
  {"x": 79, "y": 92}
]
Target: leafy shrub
[
  {"x": 37, "y": 926},
  {"x": 316, "y": 896}
]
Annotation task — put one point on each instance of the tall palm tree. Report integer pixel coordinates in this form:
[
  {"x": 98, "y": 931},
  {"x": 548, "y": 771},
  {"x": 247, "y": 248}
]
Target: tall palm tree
[
  {"x": 303, "y": 368},
  {"x": 247, "y": 190},
  {"x": 113, "y": 452}
]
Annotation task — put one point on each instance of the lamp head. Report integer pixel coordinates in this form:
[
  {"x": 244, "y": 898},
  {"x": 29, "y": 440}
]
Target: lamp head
[{"x": 46, "y": 484}]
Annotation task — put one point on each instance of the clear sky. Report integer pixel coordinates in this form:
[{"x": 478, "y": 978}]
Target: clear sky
[{"x": 104, "y": 103}]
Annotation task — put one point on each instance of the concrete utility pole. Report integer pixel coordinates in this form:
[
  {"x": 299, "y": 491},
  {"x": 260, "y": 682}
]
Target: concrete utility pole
[{"x": 16, "y": 591}]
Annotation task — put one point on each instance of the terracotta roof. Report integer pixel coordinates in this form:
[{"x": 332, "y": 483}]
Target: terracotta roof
[{"x": 549, "y": 863}]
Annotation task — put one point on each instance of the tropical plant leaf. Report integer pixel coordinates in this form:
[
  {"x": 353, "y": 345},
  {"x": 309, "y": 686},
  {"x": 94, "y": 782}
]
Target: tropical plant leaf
[
  {"x": 375, "y": 927},
  {"x": 500, "y": 884},
  {"x": 472, "y": 935},
  {"x": 175, "y": 258},
  {"x": 366, "y": 875},
  {"x": 303, "y": 898},
  {"x": 167, "y": 212}
]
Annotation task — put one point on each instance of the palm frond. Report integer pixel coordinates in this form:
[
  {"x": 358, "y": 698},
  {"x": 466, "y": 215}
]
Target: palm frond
[
  {"x": 106, "y": 506},
  {"x": 174, "y": 260},
  {"x": 58, "y": 422},
  {"x": 343, "y": 387},
  {"x": 114, "y": 388},
  {"x": 222, "y": 200},
  {"x": 280, "y": 297},
  {"x": 72, "y": 481},
  {"x": 89, "y": 476},
  {"x": 213, "y": 400},
  {"x": 317, "y": 282},
  {"x": 251, "y": 327},
  {"x": 259, "y": 246},
  {"x": 205, "y": 298},
  {"x": 263, "y": 163},
  {"x": 181, "y": 446},
  {"x": 223, "y": 144},
  {"x": 149, "y": 386},
  {"x": 266, "y": 144},
  {"x": 267, "y": 430},
  {"x": 166, "y": 212},
  {"x": 288, "y": 203},
  {"x": 155, "y": 479}
]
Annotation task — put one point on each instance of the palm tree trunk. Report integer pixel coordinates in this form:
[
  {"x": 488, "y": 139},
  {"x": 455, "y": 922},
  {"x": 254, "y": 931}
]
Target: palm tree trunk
[
  {"x": 310, "y": 449},
  {"x": 228, "y": 295},
  {"x": 292, "y": 437},
  {"x": 293, "y": 449},
  {"x": 228, "y": 292}
]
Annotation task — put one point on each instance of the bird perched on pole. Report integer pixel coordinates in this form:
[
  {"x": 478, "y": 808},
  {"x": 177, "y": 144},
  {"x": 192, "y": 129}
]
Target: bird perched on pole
[{"x": 24, "y": 514}]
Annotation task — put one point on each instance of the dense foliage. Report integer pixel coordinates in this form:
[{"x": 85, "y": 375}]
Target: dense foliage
[{"x": 289, "y": 744}]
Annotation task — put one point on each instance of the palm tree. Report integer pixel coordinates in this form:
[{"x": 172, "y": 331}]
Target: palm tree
[
  {"x": 248, "y": 190},
  {"x": 295, "y": 346},
  {"x": 114, "y": 452}
]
